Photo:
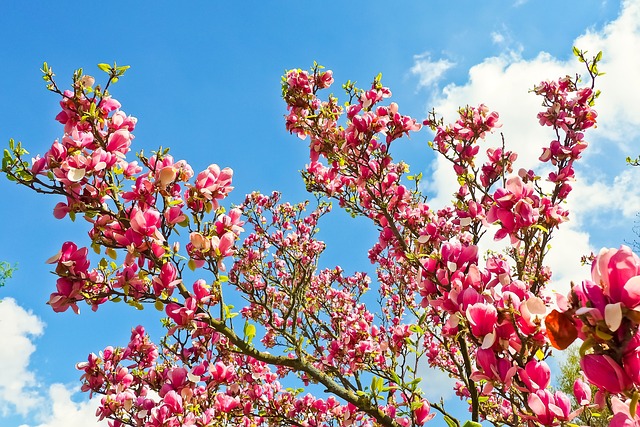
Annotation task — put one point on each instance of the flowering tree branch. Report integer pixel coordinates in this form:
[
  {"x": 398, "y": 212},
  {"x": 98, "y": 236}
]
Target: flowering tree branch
[{"x": 490, "y": 325}]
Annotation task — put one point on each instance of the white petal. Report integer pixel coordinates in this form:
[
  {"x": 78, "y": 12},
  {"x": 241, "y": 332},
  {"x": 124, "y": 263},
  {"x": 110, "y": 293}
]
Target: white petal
[
  {"x": 75, "y": 175},
  {"x": 613, "y": 316},
  {"x": 488, "y": 340}
]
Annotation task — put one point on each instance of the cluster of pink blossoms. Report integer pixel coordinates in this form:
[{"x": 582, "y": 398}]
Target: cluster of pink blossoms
[
  {"x": 489, "y": 324},
  {"x": 434, "y": 254}
]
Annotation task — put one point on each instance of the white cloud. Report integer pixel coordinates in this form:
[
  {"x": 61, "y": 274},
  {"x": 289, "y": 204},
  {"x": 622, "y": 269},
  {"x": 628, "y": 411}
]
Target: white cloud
[
  {"x": 62, "y": 411},
  {"x": 621, "y": 195},
  {"x": 620, "y": 90},
  {"x": 17, "y": 382},
  {"x": 429, "y": 72},
  {"x": 503, "y": 83},
  {"x": 20, "y": 391},
  {"x": 497, "y": 38}
]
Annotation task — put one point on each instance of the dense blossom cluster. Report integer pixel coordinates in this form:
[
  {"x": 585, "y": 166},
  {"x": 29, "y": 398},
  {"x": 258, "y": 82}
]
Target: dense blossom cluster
[{"x": 488, "y": 321}]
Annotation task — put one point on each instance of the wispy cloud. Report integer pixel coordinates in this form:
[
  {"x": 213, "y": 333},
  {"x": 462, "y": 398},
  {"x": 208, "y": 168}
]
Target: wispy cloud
[{"x": 428, "y": 71}]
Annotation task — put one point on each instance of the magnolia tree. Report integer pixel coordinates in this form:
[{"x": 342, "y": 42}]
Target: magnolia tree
[{"x": 319, "y": 347}]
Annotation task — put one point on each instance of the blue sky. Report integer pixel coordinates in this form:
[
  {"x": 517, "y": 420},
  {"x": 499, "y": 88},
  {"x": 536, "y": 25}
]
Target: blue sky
[{"x": 205, "y": 81}]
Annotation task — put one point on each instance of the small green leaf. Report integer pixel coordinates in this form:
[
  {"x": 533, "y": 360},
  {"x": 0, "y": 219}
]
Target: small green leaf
[
  {"x": 249, "y": 331},
  {"x": 471, "y": 424},
  {"x": 633, "y": 406},
  {"x": 111, "y": 253},
  {"x": 450, "y": 421},
  {"x": 105, "y": 67},
  {"x": 376, "y": 384},
  {"x": 541, "y": 228}
]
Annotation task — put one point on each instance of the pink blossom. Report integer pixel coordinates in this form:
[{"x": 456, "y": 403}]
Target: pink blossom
[
  {"x": 536, "y": 375},
  {"x": 173, "y": 401},
  {"x": 67, "y": 295},
  {"x": 146, "y": 222},
  {"x": 119, "y": 141},
  {"x": 174, "y": 215},
  {"x": 539, "y": 403},
  {"x": 582, "y": 392},
  {"x": 605, "y": 373},
  {"x": 619, "y": 273},
  {"x": 221, "y": 372},
  {"x": 482, "y": 319},
  {"x": 622, "y": 414},
  {"x": 225, "y": 403},
  {"x": 182, "y": 315},
  {"x": 214, "y": 184},
  {"x": 422, "y": 413}
]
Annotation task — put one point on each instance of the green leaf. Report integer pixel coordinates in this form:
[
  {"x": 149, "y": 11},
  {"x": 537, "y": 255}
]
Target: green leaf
[
  {"x": 249, "y": 331},
  {"x": 450, "y": 421},
  {"x": 376, "y": 384},
  {"x": 105, "y": 67},
  {"x": 416, "y": 329},
  {"x": 633, "y": 406},
  {"x": 541, "y": 228},
  {"x": 471, "y": 424}
]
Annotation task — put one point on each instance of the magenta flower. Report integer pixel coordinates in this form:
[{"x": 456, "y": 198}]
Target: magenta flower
[
  {"x": 539, "y": 403},
  {"x": 582, "y": 392},
  {"x": 604, "y": 372},
  {"x": 622, "y": 415},
  {"x": 225, "y": 403},
  {"x": 422, "y": 413},
  {"x": 536, "y": 375},
  {"x": 482, "y": 319},
  {"x": 173, "y": 401},
  {"x": 214, "y": 184},
  {"x": 618, "y": 272},
  {"x": 145, "y": 223},
  {"x": 119, "y": 141}
]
